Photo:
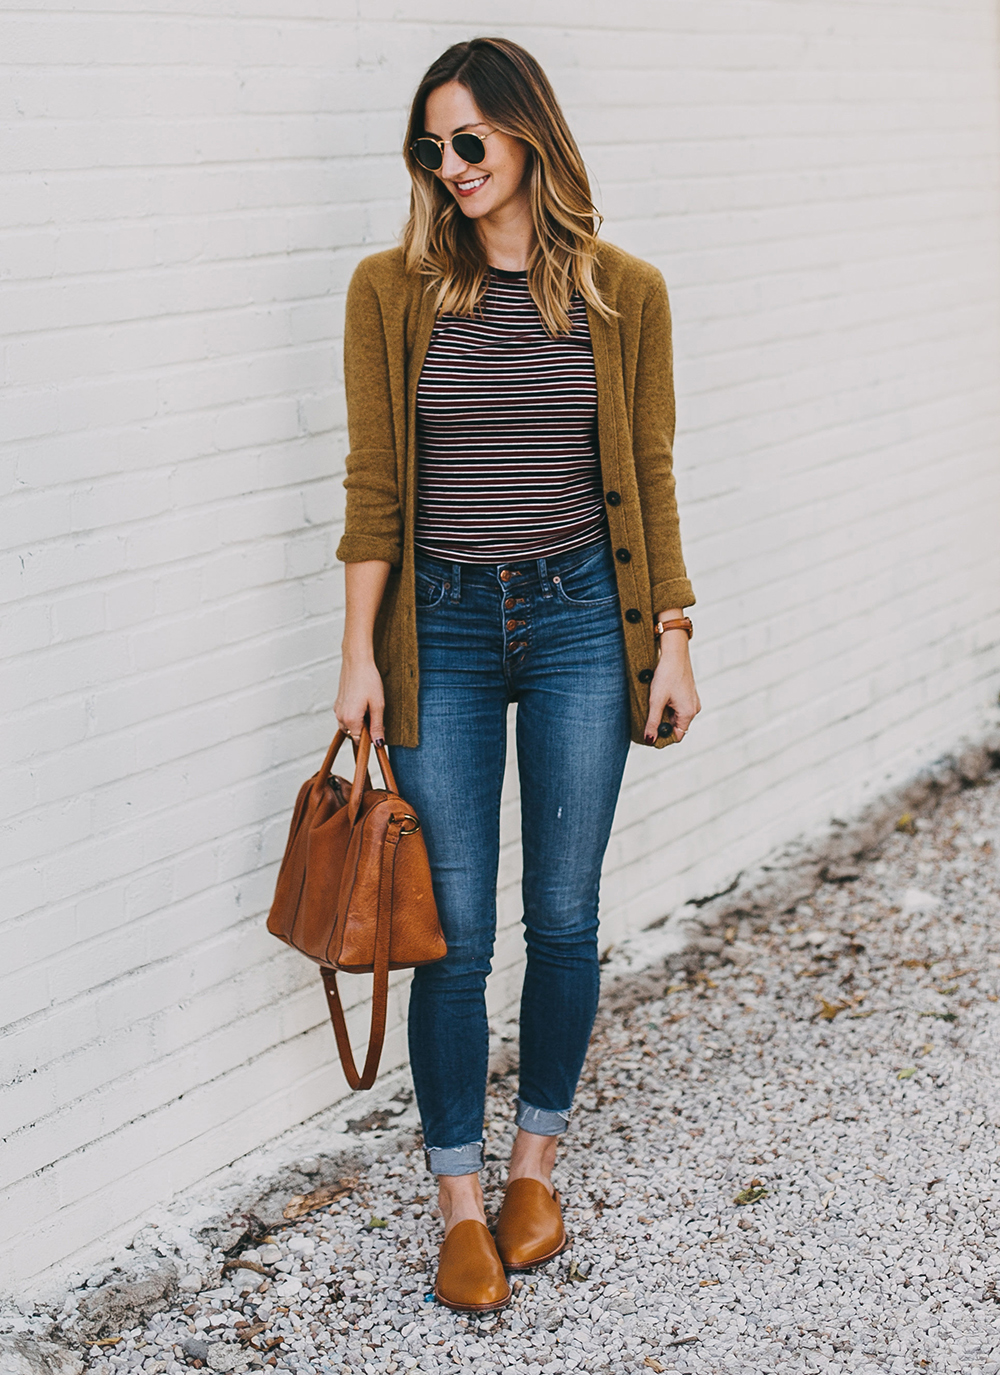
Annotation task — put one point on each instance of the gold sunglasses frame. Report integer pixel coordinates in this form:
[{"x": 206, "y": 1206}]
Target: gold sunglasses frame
[{"x": 447, "y": 142}]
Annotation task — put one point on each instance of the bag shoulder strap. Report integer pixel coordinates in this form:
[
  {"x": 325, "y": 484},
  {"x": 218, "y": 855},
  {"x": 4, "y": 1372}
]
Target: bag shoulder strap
[{"x": 380, "y": 985}]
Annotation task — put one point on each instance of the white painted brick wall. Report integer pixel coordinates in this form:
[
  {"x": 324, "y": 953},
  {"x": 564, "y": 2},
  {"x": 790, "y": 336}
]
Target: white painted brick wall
[{"x": 183, "y": 196}]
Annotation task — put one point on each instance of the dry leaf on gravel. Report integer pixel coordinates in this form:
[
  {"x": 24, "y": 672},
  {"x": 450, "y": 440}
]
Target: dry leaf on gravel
[
  {"x": 906, "y": 1074},
  {"x": 300, "y": 1204},
  {"x": 828, "y": 1011},
  {"x": 247, "y": 1334},
  {"x": 754, "y": 1190},
  {"x": 247, "y": 1265}
]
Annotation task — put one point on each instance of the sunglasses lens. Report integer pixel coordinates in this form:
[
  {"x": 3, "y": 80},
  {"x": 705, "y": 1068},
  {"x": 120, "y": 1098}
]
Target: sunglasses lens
[
  {"x": 428, "y": 154},
  {"x": 469, "y": 147}
]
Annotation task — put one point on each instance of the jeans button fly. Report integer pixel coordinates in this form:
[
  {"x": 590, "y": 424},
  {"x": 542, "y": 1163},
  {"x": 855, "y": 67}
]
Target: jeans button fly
[{"x": 505, "y": 575}]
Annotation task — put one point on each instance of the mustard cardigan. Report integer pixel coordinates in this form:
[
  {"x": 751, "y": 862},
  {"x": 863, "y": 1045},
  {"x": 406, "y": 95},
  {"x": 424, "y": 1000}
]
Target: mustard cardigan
[{"x": 390, "y": 316}]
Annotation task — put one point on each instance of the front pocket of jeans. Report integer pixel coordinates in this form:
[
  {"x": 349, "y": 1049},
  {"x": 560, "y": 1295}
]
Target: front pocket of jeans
[
  {"x": 592, "y": 591},
  {"x": 430, "y": 591}
]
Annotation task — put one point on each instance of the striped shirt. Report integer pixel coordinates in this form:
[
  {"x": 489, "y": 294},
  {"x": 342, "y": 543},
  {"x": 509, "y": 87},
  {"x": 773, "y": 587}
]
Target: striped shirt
[{"x": 507, "y": 433}]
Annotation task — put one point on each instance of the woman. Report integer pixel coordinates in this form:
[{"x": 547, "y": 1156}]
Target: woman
[{"x": 511, "y": 536}]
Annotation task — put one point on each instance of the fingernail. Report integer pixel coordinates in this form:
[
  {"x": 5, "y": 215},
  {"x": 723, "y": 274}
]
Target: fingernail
[
  {"x": 380, "y": 744},
  {"x": 650, "y": 739}
]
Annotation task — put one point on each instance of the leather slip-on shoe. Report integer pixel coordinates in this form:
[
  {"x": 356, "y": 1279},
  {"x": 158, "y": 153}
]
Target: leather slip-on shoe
[
  {"x": 530, "y": 1227},
  {"x": 470, "y": 1278}
]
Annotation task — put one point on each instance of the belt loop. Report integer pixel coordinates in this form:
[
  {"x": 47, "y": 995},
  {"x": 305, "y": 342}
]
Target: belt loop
[
  {"x": 543, "y": 578},
  {"x": 456, "y": 584}
]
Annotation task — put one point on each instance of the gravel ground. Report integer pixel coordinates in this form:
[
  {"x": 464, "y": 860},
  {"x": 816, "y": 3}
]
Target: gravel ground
[{"x": 786, "y": 1163}]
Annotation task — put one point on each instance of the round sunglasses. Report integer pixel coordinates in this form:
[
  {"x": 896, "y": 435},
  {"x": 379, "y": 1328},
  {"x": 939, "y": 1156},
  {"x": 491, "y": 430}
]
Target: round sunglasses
[{"x": 429, "y": 152}]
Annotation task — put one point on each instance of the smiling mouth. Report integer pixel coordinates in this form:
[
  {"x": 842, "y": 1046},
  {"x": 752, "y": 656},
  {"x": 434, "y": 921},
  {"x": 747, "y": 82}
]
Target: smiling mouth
[{"x": 466, "y": 188}]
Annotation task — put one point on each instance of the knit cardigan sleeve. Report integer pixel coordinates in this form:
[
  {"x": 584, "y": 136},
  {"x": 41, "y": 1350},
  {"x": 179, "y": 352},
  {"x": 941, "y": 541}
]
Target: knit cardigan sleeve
[
  {"x": 653, "y": 422},
  {"x": 373, "y": 526}
]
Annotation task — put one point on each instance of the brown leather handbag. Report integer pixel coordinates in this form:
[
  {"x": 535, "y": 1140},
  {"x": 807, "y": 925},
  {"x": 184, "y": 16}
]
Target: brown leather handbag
[{"x": 354, "y": 890}]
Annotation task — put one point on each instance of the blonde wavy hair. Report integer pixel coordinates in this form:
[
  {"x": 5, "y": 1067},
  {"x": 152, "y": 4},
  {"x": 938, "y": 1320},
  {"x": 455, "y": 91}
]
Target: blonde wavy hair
[{"x": 513, "y": 94}]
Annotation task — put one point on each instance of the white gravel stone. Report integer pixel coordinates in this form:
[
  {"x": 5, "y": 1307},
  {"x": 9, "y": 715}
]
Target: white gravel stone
[{"x": 225, "y": 1358}]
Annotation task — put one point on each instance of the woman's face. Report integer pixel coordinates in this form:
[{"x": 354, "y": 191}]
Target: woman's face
[{"x": 497, "y": 183}]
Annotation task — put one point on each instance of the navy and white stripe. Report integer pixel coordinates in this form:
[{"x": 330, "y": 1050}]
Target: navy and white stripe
[{"x": 507, "y": 433}]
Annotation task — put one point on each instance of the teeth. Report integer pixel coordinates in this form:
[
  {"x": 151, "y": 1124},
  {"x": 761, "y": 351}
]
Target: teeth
[{"x": 469, "y": 185}]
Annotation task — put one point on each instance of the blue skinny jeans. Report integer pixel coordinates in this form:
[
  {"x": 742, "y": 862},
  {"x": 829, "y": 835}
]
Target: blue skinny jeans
[{"x": 546, "y": 634}]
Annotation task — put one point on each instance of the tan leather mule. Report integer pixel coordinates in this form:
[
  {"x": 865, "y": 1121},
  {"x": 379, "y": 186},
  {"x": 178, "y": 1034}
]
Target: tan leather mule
[
  {"x": 530, "y": 1227},
  {"x": 470, "y": 1278}
]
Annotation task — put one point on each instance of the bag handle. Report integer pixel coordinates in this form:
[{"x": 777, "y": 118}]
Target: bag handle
[
  {"x": 362, "y": 750},
  {"x": 361, "y": 771},
  {"x": 327, "y": 766},
  {"x": 380, "y": 985}
]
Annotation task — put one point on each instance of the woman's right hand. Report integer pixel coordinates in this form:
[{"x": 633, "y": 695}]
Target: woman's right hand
[{"x": 360, "y": 694}]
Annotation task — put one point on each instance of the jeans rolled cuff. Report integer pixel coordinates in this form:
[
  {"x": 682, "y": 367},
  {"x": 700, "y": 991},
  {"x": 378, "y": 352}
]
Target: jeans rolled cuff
[
  {"x": 466, "y": 1159},
  {"x": 541, "y": 1121}
]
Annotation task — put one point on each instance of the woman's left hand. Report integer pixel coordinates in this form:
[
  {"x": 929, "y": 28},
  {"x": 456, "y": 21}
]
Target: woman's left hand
[{"x": 672, "y": 690}]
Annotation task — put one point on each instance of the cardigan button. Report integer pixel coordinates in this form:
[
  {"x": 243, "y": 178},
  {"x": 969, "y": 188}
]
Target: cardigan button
[
  {"x": 645, "y": 675},
  {"x": 622, "y": 555},
  {"x": 613, "y": 498},
  {"x": 633, "y": 616},
  {"x": 665, "y": 729}
]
